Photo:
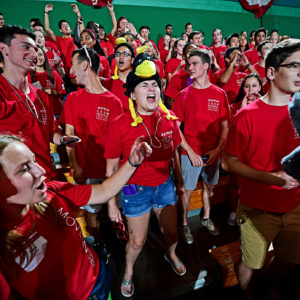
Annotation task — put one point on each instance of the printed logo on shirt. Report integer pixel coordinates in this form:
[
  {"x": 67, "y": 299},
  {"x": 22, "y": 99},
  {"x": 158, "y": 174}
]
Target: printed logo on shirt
[
  {"x": 44, "y": 115},
  {"x": 102, "y": 114},
  {"x": 167, "y": 138},
  {"x": 213, "y": 105},
  {"x": 50, "y": 85},
  {"x": 38, "y": 245}
]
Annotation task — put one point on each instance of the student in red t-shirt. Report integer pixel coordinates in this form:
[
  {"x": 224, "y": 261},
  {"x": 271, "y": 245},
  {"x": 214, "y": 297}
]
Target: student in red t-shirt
[
  {"x": 151, "y": 187},
  {"x": 88, "y": 39},
  {"x": 180, "y": 79},
  {"x": 168, "y": 30},
  {"x": 231, "y": 79},
  {"x": 54, "y": 60},
  {"x": 244, "y": 45},
  {"x": 217, "y": 46},
  {"x": 106, "y": 45},
  {"x": 43, "y": 254},
  {"x": 204, "y": 109},
  {"x": 262, "y": 50},
  {"x": 64, "y": 43},
  {"x": 165, "y": 52},
  {"x": 144, "y": 32},
  {"x": 124, "y": 55},
  {"x": 259, "y": 137},
  {"x": 24, "y": 109},
  {"x": 197, "y": 37},
  {"x": 174, "y": 64},
  {"x": 49, "y": 81}
]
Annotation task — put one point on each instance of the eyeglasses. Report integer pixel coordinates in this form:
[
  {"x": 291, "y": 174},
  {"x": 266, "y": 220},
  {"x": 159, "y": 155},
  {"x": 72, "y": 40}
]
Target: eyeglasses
[
  {"x": 291, "y": 66},
  {"x": 122, "y": 54},
  {"x": 87, "y": 54},
  {"x": 122, "y": 233}
]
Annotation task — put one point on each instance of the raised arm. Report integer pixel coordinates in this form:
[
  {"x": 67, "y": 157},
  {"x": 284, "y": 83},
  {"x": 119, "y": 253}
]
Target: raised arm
[
  {"x": 113, "y": 19},
  {"x": 79, "y": 17},
  {"x": 48, "y": 9}
]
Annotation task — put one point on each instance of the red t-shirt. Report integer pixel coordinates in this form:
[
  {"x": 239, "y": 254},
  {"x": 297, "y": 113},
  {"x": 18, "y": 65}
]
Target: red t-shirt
[
  {"x": 51, "y": 46},
  {"x": 262, "y": 73},
  {"x": 163, "y": 55},
  {"x": 121, "y": 136},
  {"x": 159, "y": 68},
  {"x": 263, "y": 150},
  {"x": 57, "y": 86},
  {"x": 107, "y": 47},
  {"x": 161, "y": 43},
  {"x": 117, "y": 88},
  {"x": 233, "y": 84},
  {"x": 66, "y": 47},
  {"x": 104, "y": 70},
  {"x": 64, "y": 267},
  {"x": 202, "y": 47},
  {"x": 178, "y": 82},
  {"x": 252, "y": 56},
  {"x": 219, "y": 54},
  {"x": 202, "y": 111},
  {"x": 172, "y": 65},
  {"x": 91, "y": 114},
  {"x": 4, "y": 288},
  {"x": 16, "y": 118}
]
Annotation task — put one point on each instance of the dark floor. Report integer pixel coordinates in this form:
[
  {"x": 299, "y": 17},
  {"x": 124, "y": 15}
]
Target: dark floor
[{"x": 154, "y": 278}]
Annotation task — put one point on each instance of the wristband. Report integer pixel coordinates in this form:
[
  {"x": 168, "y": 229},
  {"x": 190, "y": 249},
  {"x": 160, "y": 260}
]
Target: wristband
[
  {"x": 133, "y": 165},
  {"x": 46, "y": 12},
  {"x": 248, "y": 65},
  {"x": 61, "y": 140}
]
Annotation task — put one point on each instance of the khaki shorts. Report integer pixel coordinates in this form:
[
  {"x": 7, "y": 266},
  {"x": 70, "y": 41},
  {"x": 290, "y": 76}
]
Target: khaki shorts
[{"x": 259, "y": 228}]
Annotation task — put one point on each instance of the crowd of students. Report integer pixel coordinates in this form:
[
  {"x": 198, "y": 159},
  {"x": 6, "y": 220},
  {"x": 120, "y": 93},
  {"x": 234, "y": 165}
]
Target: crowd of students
[{"x": 149, "y": 121}]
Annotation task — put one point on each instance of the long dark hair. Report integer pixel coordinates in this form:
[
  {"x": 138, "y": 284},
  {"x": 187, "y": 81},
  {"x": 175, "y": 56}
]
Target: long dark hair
[
  {"x": 241, "y": 93},
  {"x": 97, "y": 46},
  {"x": 47, "y": 68},
  {"x": 174, "y": 52}
]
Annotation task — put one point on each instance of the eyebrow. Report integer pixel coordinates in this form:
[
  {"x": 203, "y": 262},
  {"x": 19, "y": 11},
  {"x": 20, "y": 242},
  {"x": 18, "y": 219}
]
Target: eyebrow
[{"x": 31, "y": 45}]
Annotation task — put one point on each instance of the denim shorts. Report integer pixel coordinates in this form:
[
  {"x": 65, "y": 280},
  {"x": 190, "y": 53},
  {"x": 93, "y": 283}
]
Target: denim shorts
[
  {"x": 145, "y": 197},
  {"x": 190, "y": 174}
]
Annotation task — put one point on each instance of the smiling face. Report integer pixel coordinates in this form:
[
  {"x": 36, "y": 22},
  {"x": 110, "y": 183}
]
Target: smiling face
[
  {"x": 243, "y": 40},
  {"x": 149, "y": 49},
  {"x": 86, "y": 40},
  {"x": 146, "y": 95},
  {"x": 21, "y": 55},
  {"x": 22, "y": 178},
  {"x": 77, "y": 70},
  {"x": 123, "y": 58},
  {"x": 261, "y": 36},
  {"x": 40, "y": 58},
  {"x": 39, "y": 39},
  {"x": 217, "y": 36},
  {"x": 252, "y": 88}
]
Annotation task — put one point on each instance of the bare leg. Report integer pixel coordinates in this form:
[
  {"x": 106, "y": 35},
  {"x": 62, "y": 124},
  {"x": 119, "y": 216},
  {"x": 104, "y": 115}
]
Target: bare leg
[
  {"x": 207, "y": 194},
  {"x": 184, "y": 204},
  {"x": 137, "y": 228},
  {"x": 244, "y": 275},
  {"x": 167, "y": 218}
]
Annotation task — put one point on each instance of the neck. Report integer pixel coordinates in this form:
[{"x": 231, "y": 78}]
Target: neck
[
  {"x": 179, "y": 56},
  {"x": 39, "y": 69},
  {"x": 145, "y": 113},
  {"x": 93, "y": 84},
  {"x": 17, "y": 79},
  {"x": 66, "y": 35},
  {"x": 261, "y": 62},
  {"x": 217, "y": 44},
  {"x": 276, "y": 97},
  {"x": 201, "y": 82},
  {"x": 123, "y": 74}
]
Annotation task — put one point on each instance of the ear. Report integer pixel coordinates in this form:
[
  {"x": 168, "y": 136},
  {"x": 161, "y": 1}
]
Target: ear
[
  {"x": 60, "y": 30},
  {"x": 84, "y": 65},
  {"x": 132, "y": 96},
  {"x": 205, "y": 66},
  {"x": 259, "y": 54},
  {"x": 94, "y": 42},
  {"x": 271, "y": 73},
  {"x": 227, "y": 60},
  {"x": 4, "y": 49}
]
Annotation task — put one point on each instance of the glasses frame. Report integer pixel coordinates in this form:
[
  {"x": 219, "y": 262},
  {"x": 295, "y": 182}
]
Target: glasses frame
[{"x": 122, "y": 232}]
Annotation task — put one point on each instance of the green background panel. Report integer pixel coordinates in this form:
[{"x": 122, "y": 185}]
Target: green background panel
[{"x": 204, "y": 14}]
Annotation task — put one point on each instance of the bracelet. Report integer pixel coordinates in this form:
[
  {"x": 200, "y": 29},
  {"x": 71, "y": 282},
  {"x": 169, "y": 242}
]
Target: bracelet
[
  {"x": 46, "y": 12},
  {"x": 248, "y": 65},
  {"x": 133, "y": 165}
]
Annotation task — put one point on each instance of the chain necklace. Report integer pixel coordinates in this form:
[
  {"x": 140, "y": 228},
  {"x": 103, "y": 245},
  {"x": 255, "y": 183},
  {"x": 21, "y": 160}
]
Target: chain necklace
[
  {"x": 155, "y": 132},
  {"x": 29, "y": 104}
]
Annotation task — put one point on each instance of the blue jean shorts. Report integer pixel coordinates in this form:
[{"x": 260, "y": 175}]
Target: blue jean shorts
[
  {"x": 143, "y": 198},
  {"x": 190, "y": 174}
]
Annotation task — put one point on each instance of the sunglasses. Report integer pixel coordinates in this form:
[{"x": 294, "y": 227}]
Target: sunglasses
[{"x": 122, "y": 232}]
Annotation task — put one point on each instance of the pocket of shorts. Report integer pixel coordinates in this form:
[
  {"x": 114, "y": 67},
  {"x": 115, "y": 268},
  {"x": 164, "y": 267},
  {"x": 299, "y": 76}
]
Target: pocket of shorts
[{"x": 139, "y": 189}]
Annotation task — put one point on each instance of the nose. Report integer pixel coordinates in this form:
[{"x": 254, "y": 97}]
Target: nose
[{"x": 37, "y": 170}]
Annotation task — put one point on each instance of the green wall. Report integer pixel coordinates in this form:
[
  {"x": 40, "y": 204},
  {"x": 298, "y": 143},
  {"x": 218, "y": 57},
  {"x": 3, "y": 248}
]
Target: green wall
[{"x": 204, "y": 14}]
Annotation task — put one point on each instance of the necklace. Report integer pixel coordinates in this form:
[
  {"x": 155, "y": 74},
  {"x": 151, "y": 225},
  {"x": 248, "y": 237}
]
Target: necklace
[
  {"x": 30, "y": 105},
  {"x": 155, "y": 132}
]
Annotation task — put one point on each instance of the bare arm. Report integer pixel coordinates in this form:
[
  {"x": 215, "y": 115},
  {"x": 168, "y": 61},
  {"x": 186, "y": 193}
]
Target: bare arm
[
  {"x": 48, "y": 9},
  {"x": 233, "y": 165},
  {"x": 79, "y": 18},
  {"x": 113, "y": 19},
  {"x": 224, "y": 78}
]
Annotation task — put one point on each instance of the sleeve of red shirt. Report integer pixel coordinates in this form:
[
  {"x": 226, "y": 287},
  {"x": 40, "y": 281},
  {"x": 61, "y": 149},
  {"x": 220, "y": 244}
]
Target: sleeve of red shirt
[
  {"x": 67, "y": 112},
  {"x": 238, "y": 136},
  {"x": 177, "y": 107},
  {"x": 172, "y": 89},
  {"x": 117, "y": 108},
  {"x": 225, "y": 111},
  {"x": 77, "y": 194},
  {"x": 59, "y": 83},
  {"x": 113, "y": 143},
  {"x": 106, "y": 66}
]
